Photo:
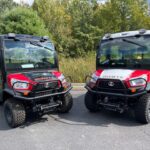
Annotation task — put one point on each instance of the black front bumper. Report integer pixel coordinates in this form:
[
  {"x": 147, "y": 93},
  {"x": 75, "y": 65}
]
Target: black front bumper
[
  {"x": 42, "y": 97},
  {"x": 116, "y": 94},
  {"x": 119, "y": 89},
  {"x": 11, "y": 92},
  {"x": 16, "y": 96},
  {"x": 34, "y": 94}
]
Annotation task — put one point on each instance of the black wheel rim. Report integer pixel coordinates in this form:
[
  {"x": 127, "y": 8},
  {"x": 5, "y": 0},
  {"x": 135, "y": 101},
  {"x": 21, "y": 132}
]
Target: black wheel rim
[{"x": 8, "y": 115}]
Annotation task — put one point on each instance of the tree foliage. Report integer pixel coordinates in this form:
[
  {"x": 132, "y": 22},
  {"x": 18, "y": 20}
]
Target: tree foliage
[
  {"x": 58, "y": 22},
  {"x": 6, "y": 5},
  {"x": 124, "y": 15},
  {"x": 75, "y": 26},
  {"x": 22, "y": 20}
]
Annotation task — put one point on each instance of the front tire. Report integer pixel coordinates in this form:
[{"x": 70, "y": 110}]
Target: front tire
[
  {"x": 90, "y": 102},
  {"x": 142, "y": 109},
  {"x": 1, "y": 101},
  {"x": 67, "y": 103},
  {"x": 14, "y": 113}
]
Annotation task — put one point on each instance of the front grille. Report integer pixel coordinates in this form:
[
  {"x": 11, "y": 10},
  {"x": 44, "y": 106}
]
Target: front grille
[
  {"x": 43, "y": 93},
  {"x": 110, "y": 84},
  {"x": 47, "y": 86}
]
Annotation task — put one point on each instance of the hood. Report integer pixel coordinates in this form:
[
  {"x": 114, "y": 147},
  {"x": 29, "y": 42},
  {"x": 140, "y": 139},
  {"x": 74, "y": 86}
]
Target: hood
[
  {"x": 37, "y": 76},
  {"x": 121, "y": 74},
  {"x": 40, "y": 76}
]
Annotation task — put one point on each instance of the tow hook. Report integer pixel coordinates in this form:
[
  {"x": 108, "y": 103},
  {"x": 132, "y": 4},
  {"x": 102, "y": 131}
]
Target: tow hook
[
  {"x": 51, "y": 105},
  {"x": 112, "y": 106},
  {"x": 45, "y": 107}
]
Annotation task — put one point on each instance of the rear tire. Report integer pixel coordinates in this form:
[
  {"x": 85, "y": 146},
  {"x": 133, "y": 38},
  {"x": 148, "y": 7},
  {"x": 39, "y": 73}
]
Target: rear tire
[
  {"x": 90, "y": 102},
  {"x": 1, "y": 103},
  {"x": 142, "y": 109},
  {"x": 14, "y": 113},
  {"x": 67, "y": 103}
]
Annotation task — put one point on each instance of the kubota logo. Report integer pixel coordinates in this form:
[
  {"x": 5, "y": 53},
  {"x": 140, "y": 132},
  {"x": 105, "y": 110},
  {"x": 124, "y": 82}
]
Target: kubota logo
[
  {"x": 110, "y": 83},
  {"x": 46, "y": 85}
]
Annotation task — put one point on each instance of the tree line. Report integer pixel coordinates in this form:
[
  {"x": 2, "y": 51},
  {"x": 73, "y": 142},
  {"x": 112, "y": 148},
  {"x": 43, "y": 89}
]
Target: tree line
[{"x": 75, "y": 26}]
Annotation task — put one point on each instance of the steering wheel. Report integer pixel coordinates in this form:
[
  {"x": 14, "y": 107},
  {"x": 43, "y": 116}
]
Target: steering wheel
[{"x": 41, "y": 64}]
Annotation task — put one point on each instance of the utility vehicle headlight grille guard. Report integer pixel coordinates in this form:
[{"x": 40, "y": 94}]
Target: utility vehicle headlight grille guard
[
  {"x": 114, "y": 87},
  {"x": 43, "y": 88},
  {"x": 101, "y": 83}
]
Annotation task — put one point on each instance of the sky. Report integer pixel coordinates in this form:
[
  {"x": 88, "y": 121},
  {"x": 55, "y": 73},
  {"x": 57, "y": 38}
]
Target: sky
[
  {"x": 30, "y": 2},
  {"x": 101, "y": 1}
]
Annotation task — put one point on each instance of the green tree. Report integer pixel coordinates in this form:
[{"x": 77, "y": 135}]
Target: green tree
[
  {"x": 22, "y": 20},
  {"x": 70, "y": 23},
  {"x": 77, "y": 25},
  {"x": 53, "y": 12},
  {"x": 84, "y": 32},
  {"x": 6, "y": 5},
  {"x": 122, "y": 15}
]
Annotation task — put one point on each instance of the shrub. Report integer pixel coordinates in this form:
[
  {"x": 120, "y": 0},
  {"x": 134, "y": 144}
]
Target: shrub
[
  {"x": 78, "y": 68},
  {"x": 22, "y": 20}
]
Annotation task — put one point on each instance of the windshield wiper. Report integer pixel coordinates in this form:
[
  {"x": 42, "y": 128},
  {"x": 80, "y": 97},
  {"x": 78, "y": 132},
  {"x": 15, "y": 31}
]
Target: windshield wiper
[
  {"x": 38, "y": 44},
  {"x": 132, "y": 42}
]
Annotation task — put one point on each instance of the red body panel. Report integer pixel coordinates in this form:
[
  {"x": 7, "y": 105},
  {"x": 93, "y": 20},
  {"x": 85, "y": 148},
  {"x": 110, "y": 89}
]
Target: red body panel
[
  {"x": 126, "y": 75},
  {"x": 24, "y": 78}
]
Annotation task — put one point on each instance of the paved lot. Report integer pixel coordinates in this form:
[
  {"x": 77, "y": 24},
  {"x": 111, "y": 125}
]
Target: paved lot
[{"x": 78, "y": 130}]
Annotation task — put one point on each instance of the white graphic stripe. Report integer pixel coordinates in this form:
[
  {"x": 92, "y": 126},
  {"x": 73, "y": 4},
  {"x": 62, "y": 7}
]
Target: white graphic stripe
[{"x": 116, "y": 74}]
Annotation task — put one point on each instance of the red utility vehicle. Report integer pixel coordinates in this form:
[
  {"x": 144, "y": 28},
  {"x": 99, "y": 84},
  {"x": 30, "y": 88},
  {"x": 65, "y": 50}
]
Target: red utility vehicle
[
  {"x": 122, "y": 78},
  {"x": 29, "y": 78}
]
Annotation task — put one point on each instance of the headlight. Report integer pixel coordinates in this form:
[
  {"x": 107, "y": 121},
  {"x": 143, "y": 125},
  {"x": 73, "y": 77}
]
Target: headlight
[
  {"x": 91, "y": 80},
  {"x": 62, "y": 78},
  {"x": 65, "y": 81},
  {"x": 19, "y": 85},
  {"x": 138, "y": 82},
  {"x": 94, "y": 78}
]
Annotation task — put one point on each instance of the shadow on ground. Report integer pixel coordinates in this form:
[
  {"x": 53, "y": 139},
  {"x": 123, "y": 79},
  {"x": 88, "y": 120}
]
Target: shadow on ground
[
  {"x": 30, "y": 121},
  {"x": 3, "y": 124},
  {"x": 79, "y": 115}
]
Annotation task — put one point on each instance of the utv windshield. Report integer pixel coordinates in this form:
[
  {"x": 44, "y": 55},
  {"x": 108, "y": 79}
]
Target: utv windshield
[
  {"x": 128, "y": 52},
  {"x": 29, "y": 55}
]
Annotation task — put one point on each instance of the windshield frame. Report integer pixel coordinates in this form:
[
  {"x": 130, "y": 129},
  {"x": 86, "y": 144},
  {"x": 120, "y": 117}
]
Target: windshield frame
[
  {"x": 55, "y": 67},
  {"x": 98, "y": 66}
]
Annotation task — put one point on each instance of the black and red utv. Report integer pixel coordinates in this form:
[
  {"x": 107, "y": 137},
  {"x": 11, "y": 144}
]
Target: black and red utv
[
  {"x": 122, "y": 79},
  {"x": 30, "y": 81}
]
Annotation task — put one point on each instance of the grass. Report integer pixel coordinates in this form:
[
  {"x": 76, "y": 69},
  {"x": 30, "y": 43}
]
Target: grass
[{"x": 77, "y": 68}]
